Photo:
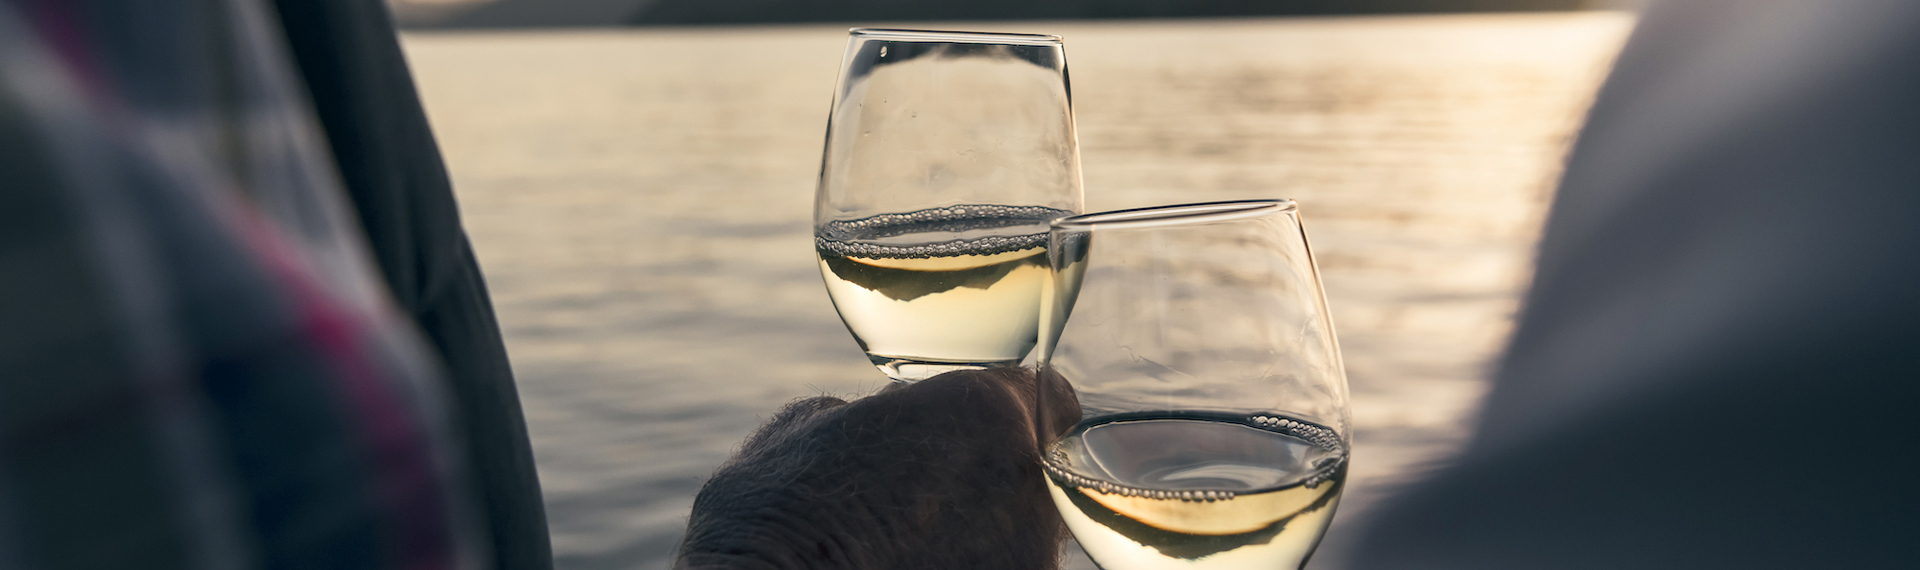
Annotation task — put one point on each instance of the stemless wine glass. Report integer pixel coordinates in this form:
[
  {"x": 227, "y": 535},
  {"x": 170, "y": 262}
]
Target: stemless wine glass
[
  {"x": 1213, "y": 406},
  {"x": 947, "y": 154}
]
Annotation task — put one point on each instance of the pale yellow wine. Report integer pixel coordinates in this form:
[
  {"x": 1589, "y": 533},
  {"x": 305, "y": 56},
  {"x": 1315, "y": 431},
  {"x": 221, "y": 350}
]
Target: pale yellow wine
[
  {"x": 939, "y": 289},
  {"x": 1195, "y": 490}
]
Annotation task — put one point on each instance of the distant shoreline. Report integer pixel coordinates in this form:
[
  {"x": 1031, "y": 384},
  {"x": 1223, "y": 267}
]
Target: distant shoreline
[{"x": 524, "y": 14}]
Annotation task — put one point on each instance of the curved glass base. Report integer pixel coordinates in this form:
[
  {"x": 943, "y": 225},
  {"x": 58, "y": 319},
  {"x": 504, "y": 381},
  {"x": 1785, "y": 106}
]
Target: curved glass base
[{"x": 910, "y": 370}]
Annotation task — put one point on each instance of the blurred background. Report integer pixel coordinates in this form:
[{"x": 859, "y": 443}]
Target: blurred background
[{"x": 637, "y": 179}]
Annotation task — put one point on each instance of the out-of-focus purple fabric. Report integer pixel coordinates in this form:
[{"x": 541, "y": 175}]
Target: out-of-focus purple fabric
[
  {"x": 199, "y": 367},
  {"x": 1717, "y": 365}
]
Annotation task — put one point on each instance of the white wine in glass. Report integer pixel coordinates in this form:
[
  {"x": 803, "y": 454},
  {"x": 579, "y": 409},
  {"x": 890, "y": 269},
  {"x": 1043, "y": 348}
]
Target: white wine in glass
[
  {"x": 1212, "y": 402},
  {"x": 947, "y": 155}
]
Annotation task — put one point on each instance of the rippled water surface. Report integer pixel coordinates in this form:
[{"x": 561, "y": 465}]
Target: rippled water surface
[{"x": 640, "y": 201}]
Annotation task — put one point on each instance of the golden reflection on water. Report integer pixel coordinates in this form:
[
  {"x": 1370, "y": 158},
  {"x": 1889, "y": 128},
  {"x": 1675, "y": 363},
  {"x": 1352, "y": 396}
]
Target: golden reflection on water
[{"x": 640, "y": 201}]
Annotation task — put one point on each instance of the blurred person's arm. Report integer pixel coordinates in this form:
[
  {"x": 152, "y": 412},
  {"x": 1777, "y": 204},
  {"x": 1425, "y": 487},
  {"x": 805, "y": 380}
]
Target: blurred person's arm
[
  {"x": 1717, "y": 365},
  {"x": 364, "y": 96}
]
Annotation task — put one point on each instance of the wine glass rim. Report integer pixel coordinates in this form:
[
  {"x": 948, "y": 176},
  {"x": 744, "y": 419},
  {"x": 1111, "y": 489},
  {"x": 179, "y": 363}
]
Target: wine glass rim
[
  {"x": 1177, "y": 214},
  {"x": 955, "y": 36}
]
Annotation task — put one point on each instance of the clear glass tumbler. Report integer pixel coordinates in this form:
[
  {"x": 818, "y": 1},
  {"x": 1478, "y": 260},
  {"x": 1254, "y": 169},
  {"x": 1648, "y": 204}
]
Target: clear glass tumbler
[
  {"x": 1212, "y": 429},
  {"x": 947, "y": 154}
]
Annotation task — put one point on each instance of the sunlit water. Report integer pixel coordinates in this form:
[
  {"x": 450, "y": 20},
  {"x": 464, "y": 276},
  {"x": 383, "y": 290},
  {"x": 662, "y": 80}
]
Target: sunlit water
[{"x": 640, "y": 201}]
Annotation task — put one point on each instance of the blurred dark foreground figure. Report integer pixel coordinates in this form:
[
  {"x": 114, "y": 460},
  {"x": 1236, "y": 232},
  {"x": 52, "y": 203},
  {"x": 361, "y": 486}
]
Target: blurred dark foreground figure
[
  {"x": 1718, "y": 365},
  {"x": 240, "y": 326},
  {"x": 1719, "y": 361}
]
